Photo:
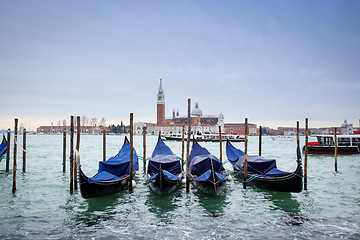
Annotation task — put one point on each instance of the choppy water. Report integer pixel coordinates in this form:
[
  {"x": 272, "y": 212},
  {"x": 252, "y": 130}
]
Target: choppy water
[{"x": 43, "y": 207}]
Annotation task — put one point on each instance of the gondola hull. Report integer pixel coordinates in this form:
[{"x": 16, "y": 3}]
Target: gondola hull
[
  {"x": 208, "y": 187},
  {"x": 163, "y": 185},
  {"x": 289, "y": 183},
  {"x": 92, "y": 190},
  {"x": 331, "y": 149}
]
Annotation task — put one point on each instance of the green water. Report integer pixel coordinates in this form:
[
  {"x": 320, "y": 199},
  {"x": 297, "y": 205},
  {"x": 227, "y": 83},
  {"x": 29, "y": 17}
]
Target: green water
[{"x": 43, "y": 207}]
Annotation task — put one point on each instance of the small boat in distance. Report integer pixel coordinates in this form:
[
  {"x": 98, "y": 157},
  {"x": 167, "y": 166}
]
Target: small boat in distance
[
  {"x": 207, "y": 172},
  {"x": 207, "y": 137},
  {"x": 263, "y": 172},
  {"x": 113, "y": 174},
  {"x": 346, "y": 144},
  {"x": 164, "y": 169}
]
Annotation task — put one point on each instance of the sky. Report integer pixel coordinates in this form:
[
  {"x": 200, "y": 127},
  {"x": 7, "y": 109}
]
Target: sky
[{"x": 273, "y": 62}]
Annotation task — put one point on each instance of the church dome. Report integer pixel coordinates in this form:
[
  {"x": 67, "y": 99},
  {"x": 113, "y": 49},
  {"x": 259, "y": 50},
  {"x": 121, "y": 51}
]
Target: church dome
[
  {"x": 196, "y": 111},
  {"x": 345, "y": 124}
]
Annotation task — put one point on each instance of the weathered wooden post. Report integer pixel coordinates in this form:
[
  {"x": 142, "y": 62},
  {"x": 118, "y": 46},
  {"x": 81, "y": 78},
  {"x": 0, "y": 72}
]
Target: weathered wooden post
[
  {"x": 78, "y": 131},
  {"x": 71, "y": 154},
  {"x": 15, "y": 153},
  {"x": 297, "y": 134},
  {"x": 306, "y": 152},
  {"x": 131, "y": 153},
  {"x": 220, "y": 139},
  {"x": 104, "y": 145},
  {"x": 245, "y": 157},
  {"x": 183, "y": 146},
  {"x": 24, "y": 150},
  {"x": 260, "y": 134},
  {"x": 336, "y": 149},
  {"x": 144, "y": 148},
  {"x": 188, "y": 149},
  {"x": 64, "y": 150},
  {"x": 8, "y": 151}
]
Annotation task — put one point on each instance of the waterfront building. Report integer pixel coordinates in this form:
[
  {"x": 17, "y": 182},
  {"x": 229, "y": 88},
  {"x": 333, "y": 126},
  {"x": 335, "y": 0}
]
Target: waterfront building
[
  {"x": 199, "y": 122},
  {"x": 61, "y": 129}
]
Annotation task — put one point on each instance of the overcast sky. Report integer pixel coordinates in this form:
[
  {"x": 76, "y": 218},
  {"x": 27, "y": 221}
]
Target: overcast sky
[{"x": 274, "y": 62}]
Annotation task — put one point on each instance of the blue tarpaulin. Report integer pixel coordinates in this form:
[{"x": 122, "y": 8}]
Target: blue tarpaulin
[
  {"x": 200, "y": 163},
  {"x": 233, "y": 154},
  {"x": 206, "y": 176},
  {"x": 3, "y": 146},
  {"x": 275, "y": 173},
  {"x": 256, "y": 164},
  {"x": 163, "y": 157},
  {"x": 103, "y": 177},
  {"x": 168, "y": 175},
  {"x": 117, "y": 166}
]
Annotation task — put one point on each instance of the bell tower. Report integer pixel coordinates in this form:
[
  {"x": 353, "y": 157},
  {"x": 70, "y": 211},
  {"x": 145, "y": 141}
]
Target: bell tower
[{"x": 160, "y": 104}]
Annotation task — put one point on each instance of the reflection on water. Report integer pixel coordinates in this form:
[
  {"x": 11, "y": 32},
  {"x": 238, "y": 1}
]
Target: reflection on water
[
  {"x": 213, "y": 205},
  {"x": 92, "y": 211},
  {"x": 164, "y": 206},
  {"x": 288, "y": 204}
]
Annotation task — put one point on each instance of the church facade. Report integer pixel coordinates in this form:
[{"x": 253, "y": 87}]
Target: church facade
[{"x": 174, "y": 124}]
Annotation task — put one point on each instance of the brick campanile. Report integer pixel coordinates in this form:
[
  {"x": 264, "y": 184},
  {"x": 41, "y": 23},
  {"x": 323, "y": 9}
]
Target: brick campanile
[{"x": 160, "y": 105}]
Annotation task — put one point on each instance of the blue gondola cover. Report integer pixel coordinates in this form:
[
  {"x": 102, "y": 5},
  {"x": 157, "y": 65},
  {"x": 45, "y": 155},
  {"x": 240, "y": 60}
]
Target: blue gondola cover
[
  {"x": 103, "y": 176},
  {"x": 3, "y": 146},
  {"x": 164, "y": 157},
  {"x": 256, "y": 164},
  {"x": 200, "y": 161},
  {"x": 117, "y": 166}
]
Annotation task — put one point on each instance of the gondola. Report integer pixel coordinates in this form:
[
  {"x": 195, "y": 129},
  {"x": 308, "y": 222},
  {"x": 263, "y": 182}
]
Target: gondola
[
  {"x": 164, "y": 169},
  {"x": 263, "y": 172},
  {"x": 3, "y": 147},
  {"x": 113, "y": 174},
  {"x": 207, "y": 172}
]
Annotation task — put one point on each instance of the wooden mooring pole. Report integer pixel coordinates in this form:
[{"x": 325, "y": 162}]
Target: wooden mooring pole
[
  {"x": 260, "y": 134},
  {"x": 188, "y": 149},
  {"x": 104, "y": 145},
  {"x": 15, "y": 153},
  {"x": 64, "y": 150},
  {"x": 183, "y": 146},
  {"x": 71, "y": 154},
  {"x": 8, "y": 151},
  {"x": 144, "y": 148},
  {"x": 297, "y": 133},
  {"x": 220, "y": 139},
  {"x": 78, "y": 131},
  {"x": 245, "y": 157},
  {"x": 306, "y": 152},
  {"x": 24, "y": 150},
  {"x": 336, "y": 149},
  {"x": 131, "y": 151}
]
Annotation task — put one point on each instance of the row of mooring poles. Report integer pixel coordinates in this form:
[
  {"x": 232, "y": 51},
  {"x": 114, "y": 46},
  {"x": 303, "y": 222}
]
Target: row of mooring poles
[{"x": 73, "y": 165}]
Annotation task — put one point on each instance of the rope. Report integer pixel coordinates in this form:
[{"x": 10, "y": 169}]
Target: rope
[
  {"x": 252, "y": 178},
  {"x": 184, "y": 161},
  {"x": 4, "y": 157},
  {"x": 141, "y": 158},
  {"x": 21, "y": 147},
  {"x": 225, "y": 162}
]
